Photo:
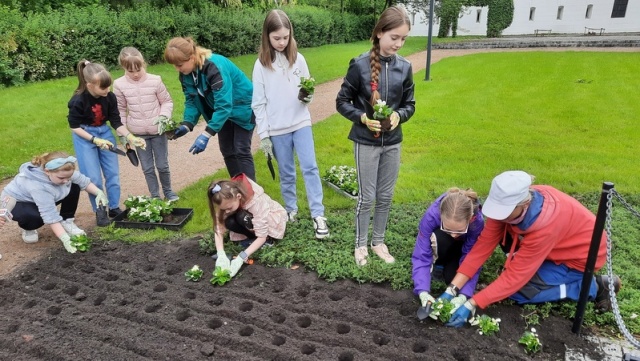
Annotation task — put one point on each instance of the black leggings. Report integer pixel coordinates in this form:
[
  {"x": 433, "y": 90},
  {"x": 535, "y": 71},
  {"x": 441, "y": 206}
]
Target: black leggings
[
  {"x": 241, "y": 222},
  {"x": 28, "y": 216},
  {"x": 449, "y": 254}
]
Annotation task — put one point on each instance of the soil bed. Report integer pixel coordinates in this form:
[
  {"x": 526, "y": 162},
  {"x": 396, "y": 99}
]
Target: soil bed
[{"x": 132, "y": 302}]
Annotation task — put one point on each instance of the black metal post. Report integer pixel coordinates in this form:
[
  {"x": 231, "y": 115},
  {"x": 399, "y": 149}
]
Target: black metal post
[
  {"x": 601, "y": 217},
  {"x": 427, "y": 75}
]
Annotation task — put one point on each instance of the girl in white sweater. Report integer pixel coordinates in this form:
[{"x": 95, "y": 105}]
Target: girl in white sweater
[{"x": 283, "y": 122}]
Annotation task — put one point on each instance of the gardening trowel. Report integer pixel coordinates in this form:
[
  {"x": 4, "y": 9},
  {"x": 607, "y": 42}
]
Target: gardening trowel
[
  {"x": 270, "y": 165},
  {"x": 131, "y": 154},
  {"x": 116, "y": 150},
  {"x": 424, "y": 312}
]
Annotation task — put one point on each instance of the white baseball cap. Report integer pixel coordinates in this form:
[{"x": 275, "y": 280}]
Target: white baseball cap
[{"x": 507, "y": 190}]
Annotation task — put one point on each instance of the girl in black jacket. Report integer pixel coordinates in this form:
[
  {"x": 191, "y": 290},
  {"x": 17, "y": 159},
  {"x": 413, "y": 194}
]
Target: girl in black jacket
[{"x": 380, "y": 75}]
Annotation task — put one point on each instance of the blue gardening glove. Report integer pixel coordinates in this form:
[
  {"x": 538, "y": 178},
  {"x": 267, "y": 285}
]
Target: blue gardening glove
[
  {"x": 223, "y": 261},
  {"x": 235, "y": 266},
  {"x": 66, "y": 242},
  {"x": 458, "y": 301},
  {"x": 101, "y": 198},
  {"x": 267, "y": 147},
  {"x": 462, "y": 315},
  {"x": 448, "y": 294},
  {"x": 180, "y": 131},
  {"x": 200, "y": 144}
]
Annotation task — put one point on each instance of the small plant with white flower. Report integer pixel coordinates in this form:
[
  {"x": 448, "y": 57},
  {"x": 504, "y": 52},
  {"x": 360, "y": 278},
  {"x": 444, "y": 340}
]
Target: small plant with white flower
[
  {"x": 381, "y": 110},
  {"x": 343, "y": 177},
  {"x": 194, "y": 274},
  {"x": 531, "y": 342},
  {"x": 442, "y": 309},
  {"x": 307, "y": 87},
  {"x": 147, "y": 209},
  {"x": 486, "y": 324},
  {"x": 166, "y": 125}
]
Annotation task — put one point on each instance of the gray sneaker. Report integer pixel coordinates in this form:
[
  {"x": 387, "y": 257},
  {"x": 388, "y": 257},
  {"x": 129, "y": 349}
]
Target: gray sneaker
[
  {"x": 291, "y": 216},
  {"x": 320, "y": 225}
]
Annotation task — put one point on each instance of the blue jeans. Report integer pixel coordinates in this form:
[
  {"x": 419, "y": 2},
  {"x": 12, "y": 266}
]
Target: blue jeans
[
  {"x": 94, "y": 163},
  {"x": 553, "y": 282},
  {"x": 300, "y": 141},
  {"x": 377, "y": 169}
]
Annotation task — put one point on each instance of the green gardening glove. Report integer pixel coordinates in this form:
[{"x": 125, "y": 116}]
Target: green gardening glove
[
  {"x": 136, "y": 141},
  {"x": 102, "y": 143}
]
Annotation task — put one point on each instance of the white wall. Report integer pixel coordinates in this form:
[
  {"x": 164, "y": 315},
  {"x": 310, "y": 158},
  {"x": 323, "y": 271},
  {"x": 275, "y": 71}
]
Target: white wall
[{"x": 573, "y": 18}]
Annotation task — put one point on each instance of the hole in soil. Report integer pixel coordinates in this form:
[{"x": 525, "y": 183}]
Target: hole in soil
[
  {"x": 54, "y": 310},
  {"x": 30, "y": 304},
  {"x": 148, "y": 268},
  {"x": 153, "y": 308},
  {"x": 71, "y": 291},
  {"x": 419, "y": 347},
  {"x": 337, "y": 296},
  {"x": 182, "y": 315},
  {"x": 160, "y": 288},
  {"x": 66, "y": 264},
  {"x": 308, "y": 349},
  {"x": 98, "y": 301},
  {"x": 13, "y": 328},
  {"x": 277, "y": 317},
  {"x": 373, "y": 303},
  {"x": 343, "y": 328},
  {"x": 278, "y": 340},
  {"x": 88, "y": 269},
  {"x": 303, "y": 291},
  {"x": 381, "y": 339},
  {"x": 189, "y": 295},
  {"x": 406, "y": 310},
  {"x": 111, "y": 277},
  {"x": 278, "y": 287},
  {"x": 345, "y": 356},
  {"x": 49, "y": 286},
  {"x": 246, "y": 306},
  {"x": 304, "y": 322},
  {"x": 216, "y": 302},
  {"x": 460, "y": 355},
  {"x": 172, "y": 271},
  {"x": 215, "y": 323},
  {"x": 26, "y": 278},
  {"x": 246, "y": 331},
  {"x": 123, "y": 303},
  {"x": 136, "y": 282}
]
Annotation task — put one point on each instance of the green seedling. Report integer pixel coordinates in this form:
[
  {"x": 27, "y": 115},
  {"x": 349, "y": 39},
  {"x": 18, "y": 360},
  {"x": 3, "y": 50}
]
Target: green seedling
[
  {"x": 220, "y": 277},
  {"x": 194, "y": 274},
  {"x": 442, "y": 309},
  {"x": 308, "y": 84},
  {"x": 486, "y": 324},
  {"x": 81, "y": 242},
  {"x": 530, "y": 341}
]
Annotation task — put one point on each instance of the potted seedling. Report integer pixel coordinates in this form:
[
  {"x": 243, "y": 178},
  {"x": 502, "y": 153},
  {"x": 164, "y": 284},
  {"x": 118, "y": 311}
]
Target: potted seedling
[
  {"x": 167, "y": 127},
  {"x": 382, "y": 112},
  {"x": 307, "y": 87}
]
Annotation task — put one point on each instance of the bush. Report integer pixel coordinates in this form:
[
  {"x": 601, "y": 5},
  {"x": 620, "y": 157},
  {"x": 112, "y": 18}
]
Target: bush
[{"x": 40, "y": 46}]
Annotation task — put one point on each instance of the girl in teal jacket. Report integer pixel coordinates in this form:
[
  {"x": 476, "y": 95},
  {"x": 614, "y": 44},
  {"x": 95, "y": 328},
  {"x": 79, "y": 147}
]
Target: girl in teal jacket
[{"x": 220, "y": 92}]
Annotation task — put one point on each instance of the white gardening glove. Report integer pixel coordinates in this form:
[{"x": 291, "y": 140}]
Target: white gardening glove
[
  {"x": 425, "y": 298},
  {"x": 372, "y": 124},
  {"x": 395, "y": 120},
  {"x": 102, "y": 143},
  {"x": 101, "y": 198},
  {"x": 236, "y": 264},
  {"x": 267, "y": 147},
  {"x": 66, "y": 241},
  {"x": 458, "y": 301},
  {"x": 223, "y": 261},
  {"x": 137, "y": 141},
  {"x": 307, "y": 100}
]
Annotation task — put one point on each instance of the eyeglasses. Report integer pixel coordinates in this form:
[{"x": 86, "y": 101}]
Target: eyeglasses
[{"x": 453, "y": 232}]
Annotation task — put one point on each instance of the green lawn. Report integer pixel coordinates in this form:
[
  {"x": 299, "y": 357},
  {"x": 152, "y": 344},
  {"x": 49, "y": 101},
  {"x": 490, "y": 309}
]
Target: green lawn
[{"x": 570, "y": 118}]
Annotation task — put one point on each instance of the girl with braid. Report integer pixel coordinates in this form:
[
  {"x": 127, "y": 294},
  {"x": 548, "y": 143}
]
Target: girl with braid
[{"x": 379, "y": 74}]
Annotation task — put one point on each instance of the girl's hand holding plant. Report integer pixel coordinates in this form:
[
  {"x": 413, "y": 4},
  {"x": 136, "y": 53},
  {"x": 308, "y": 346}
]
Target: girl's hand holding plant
[
  {"x": 383, "y": 113},
  {"x": 307, "y": 88}
]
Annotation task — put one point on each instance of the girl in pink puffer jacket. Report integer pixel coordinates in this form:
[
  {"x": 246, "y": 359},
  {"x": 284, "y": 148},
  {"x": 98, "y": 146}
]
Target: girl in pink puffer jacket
[{"x": 144, "y": 103}]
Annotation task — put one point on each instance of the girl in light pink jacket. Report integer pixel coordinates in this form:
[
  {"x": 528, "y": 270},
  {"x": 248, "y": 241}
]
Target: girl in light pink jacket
[
  {"x": 144, "y": 102},
  {"x": 252, "y": 217}
]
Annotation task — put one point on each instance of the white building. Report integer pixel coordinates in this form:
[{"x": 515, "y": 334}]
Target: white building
[{"x": 559, "y": 16}]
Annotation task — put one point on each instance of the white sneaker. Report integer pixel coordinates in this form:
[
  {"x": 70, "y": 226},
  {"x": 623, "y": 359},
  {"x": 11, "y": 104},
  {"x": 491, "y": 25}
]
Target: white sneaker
[
  {"x": 30, "y": 236},
  {"x": 361, "y": 254},
  {"x": 71, "y": 228},
  {"x": 291, "y": 216},
  {"x": 383, "y": 252},
  {"x": 320, "y": 225}
]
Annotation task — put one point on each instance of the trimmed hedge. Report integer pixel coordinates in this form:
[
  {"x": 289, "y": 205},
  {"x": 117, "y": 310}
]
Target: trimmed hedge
[{"x": 36, "y": 47}]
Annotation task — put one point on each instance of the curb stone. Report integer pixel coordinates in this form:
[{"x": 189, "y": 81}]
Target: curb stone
[{"x": 609, "y": 349}]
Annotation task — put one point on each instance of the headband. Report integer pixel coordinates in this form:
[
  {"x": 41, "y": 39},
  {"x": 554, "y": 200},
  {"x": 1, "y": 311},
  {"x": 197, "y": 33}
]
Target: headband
[
  {"x": 216, "y": 189},
  {"x": 59, "y": 162}
]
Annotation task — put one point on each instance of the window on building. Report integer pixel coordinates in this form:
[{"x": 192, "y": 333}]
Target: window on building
[
  {"x": 619, "y": 8},
  {"x": 532, "y": 14},
  {"x": 478, "y": 15},
  {"x": 560, "y": 11},
  {"x": 589, "y": 11}
]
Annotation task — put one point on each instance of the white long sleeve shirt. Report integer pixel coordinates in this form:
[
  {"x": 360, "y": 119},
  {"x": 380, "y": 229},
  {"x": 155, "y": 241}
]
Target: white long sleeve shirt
[{"x": 275, "y": 97}]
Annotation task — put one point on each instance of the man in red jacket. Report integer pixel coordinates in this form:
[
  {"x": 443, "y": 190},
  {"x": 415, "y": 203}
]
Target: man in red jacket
[{"x": 546, "y": 236}]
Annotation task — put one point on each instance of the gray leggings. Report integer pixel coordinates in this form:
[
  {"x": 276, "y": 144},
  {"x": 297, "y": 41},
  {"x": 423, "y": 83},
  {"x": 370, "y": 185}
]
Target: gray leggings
[{"x": 377, "y": 169}]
